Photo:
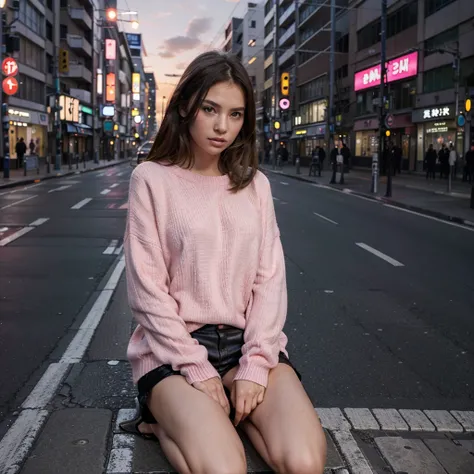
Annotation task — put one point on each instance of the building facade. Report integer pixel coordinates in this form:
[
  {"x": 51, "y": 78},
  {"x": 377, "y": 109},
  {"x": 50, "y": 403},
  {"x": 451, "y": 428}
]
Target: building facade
[
  {"x": 151, "y": 114},
  {"x": 430, "y": 54}
]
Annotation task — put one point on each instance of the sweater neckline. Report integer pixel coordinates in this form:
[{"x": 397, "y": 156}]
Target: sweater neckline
[{"x": 199, "y": 178}]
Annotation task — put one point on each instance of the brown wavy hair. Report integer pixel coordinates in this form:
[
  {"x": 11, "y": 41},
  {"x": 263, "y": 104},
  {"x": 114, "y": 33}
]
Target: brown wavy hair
[{"x": 172, "y": 144}]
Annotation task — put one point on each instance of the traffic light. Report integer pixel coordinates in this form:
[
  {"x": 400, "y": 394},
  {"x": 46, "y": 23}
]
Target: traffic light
[
  {"x": 63, "y": 60},
  {"x": 468, "y": 104},
  {"x": 276, "y": 125},
  {"x": 111, "y": 14},
  {"x": 285, "y": 83}
]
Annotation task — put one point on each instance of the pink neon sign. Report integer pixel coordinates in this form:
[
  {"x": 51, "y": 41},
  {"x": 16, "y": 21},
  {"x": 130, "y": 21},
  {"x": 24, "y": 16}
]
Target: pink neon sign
[{"x": 398, "y": 68}]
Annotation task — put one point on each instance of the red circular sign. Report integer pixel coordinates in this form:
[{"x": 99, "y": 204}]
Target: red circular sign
[
  {"x": 10, "y": 86},
  {"x": 9, "y": 67}
]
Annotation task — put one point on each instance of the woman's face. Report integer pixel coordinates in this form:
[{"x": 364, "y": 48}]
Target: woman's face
[{"x": 218, "y": 120}]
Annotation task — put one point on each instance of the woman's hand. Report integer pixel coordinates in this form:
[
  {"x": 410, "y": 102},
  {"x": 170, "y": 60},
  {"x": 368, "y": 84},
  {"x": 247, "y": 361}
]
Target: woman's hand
[
  {"x": 245, "y": 396},
  {"x": 214, "y": 388}
]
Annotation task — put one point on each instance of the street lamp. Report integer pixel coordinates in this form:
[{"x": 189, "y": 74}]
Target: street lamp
[{"x": 111, "y": 14}]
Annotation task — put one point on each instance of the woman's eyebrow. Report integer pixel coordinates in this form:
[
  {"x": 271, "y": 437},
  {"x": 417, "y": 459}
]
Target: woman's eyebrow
[{"x": 217, "y": 106}]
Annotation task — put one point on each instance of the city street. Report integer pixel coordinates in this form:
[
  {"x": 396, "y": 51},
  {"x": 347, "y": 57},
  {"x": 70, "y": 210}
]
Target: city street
[{"x": 381, "y": 305}]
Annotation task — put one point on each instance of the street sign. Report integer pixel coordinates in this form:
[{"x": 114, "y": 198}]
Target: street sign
[
  {"x": 389, "y": 121},
  {"x": 276, "y": 136},
  {"x": 9, "y": 67},
  {"x": 10, "y": 86},
  {"x": 461, "y": 121}
]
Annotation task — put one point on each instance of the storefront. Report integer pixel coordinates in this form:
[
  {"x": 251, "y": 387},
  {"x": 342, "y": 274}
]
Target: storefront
[
  {"x": 30, "y": 125},
  {"x": 436, "y": 125},
  {"x": 366, "y": 141},
  {"x": 307, "y": 138}
]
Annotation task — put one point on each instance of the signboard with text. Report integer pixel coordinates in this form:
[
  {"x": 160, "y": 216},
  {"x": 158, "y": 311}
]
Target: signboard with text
[
  {"x": 9, "y": 67},
  {"x": 399, "y": 68}
]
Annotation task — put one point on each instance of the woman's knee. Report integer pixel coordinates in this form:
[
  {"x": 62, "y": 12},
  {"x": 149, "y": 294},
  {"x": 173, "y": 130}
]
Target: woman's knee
[
  {"x": 300, "y": 461},
  {"x": 233, "y": 462}
]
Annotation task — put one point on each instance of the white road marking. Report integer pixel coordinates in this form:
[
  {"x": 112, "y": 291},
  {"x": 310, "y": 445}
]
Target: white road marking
[
  {"x": 120, "y": 174},
  {"x": 100, "y": 174},
  {"x": 361, "y": 419},
  {"x": 105, "y": 191},
  {"x": 333, "y": 419},
  {"x": 417, "y": 420},
  {"x": 45, "y": 389},
  {"x": 84, "y": 335},
  {"x": 351, "y": 451},
  {"x": 443, "y": 421},
  {"x": 16, "y": 444},
  {"x": 325, "y": 218},
  {"x": 379, "y": 254},
  {"x": 275, "y": 198},
  {"x": 466, "y": 418},
  {"x": 390, "y": 419},
  {"x": 25, "y": 230},
  {"x": 114, "y": 185},
  {"x": 81, "y": 203},
  {"x": 39, "y": 221},
  {"x": 18, "y": 202},
  {"x": 284, "y": 183},
  {"x": 350, "y": 192},
  {"x": 118, "y": 250},
  {"x": 61, "y": 188},
  {"x": 429, "y": 217},
  {"x": 120, "y": 460},
  {"x": 111, "y": 248}
]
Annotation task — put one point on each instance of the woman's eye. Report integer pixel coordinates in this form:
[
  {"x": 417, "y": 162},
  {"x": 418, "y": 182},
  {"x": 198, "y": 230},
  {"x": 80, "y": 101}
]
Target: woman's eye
[
  {"x": 207, "y": 109},
  {"x": 237, "y": 114}
]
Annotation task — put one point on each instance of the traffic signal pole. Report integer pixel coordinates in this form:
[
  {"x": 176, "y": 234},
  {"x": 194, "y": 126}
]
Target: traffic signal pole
[
  {"x": 275, "y": 109},
  {"x": 57, "y": 87}
]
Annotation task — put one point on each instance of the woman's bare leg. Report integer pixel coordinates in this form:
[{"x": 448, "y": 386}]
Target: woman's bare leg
[
  {"x": 194, "y": 431},
  {"x": 285, "y": 428}
]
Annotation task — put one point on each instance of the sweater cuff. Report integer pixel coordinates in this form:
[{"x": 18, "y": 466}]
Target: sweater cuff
[
  {"x": 199, "y": 372},
  {"x": 253, "y": 373}
]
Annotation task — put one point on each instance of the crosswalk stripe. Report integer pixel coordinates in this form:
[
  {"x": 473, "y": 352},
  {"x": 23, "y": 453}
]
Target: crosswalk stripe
[
  {"x": 417, "y": 420},
  {"x": 361, "y": 419},
  {"x": 466, "y": 418},
  {"x": 444, "y": 421},
  {"x": 333, "y": 419},
  {"x": 351, "y": 451},
  {"x": 390, "y": 419}
]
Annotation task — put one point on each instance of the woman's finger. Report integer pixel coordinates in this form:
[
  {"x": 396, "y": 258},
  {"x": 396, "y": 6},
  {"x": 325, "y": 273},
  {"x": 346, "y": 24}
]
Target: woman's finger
[{"x": 239, "y": 409}]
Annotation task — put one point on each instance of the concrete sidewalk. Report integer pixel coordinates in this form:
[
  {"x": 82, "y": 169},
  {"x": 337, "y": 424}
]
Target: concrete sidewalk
[
  {"x": 411, "y": 192},
  {"x": 17, "y": 177}
]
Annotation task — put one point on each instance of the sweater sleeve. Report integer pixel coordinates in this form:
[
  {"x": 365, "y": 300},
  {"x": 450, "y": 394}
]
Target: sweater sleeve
[
  {"x": 148, "y": 288},
  {"x": 266, "y": 315}
]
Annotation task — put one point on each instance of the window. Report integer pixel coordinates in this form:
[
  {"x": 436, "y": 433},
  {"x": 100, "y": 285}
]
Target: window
[
  {"x": 365, "y": 102},
  {"x": 268, "y": 73},
  {"x": 30, "y": 89},
  {"x": 438, "y": 79},
  {"x": 342, "y": 45},
  {"x": 252, "y": 24},
  {"x": 313, "y": 89},
  {"x": 397, "y": 21},
  {"x": 342, "y": 72},
  {"x": 30, "y": 16},
  {"x": 313, "y": 112},
  {"x": 442, "y": 40},
  {"x": 403, "y": 94},
  {"x": 63, "y": 31},
  {"x": 31, "y": 55},
  {"x": 64, "y": 3},
  {"x": 49, "y": 31},
  {"x": 268, "y": 27},
  {"x": 49, "y": 64},
  {"x": 269, "y": 6},
  {"x": 432, "y": 6}
]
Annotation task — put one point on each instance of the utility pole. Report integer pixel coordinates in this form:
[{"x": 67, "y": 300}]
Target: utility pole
[
  {"x": 95, "y": 147},
  {"x": 5, "y": 162},
  {"x": 330, "y": 109},
  {"x": 275, "y": 78},
  {"x": 383, "y": 78},
  {"x": 457, "y": 66},
  {"x": 57, "y": 87}
]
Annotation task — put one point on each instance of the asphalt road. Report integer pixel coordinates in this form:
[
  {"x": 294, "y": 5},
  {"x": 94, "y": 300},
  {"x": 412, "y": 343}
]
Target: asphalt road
[{"x": 366, "y": 329}]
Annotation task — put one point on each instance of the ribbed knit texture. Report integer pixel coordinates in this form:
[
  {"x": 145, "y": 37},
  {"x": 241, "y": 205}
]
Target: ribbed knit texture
[{"x": 198, "y": 254}]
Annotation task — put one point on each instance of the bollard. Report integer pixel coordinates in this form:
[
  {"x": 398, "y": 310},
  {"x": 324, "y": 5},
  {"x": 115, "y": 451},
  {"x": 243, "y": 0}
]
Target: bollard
[
  {"x": 69, "y": 163},
  {"x": 375, "y": 173},
  {"x": 298, "y": 165},
  {"x": 48, "y": 164},
  {"x": 25, "y": 161},
  {"x": 6, "y": 166},
  {"x": 334, "y": 171},
  {"x": 77, "y": 161}
]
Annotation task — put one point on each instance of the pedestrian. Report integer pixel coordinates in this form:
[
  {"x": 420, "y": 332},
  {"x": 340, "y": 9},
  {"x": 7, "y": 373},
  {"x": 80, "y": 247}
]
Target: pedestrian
[
  {"x": 315, "y": 162},
  {"x": 468, "y": 172},
  {"x": 32, "y": 146},
  {"x": 207, "y": 287},
  {"x": 346, "y": 155},
  {"x": 322, "y": 156},
  {"x": 397, "y": 159},
  {"x": 453, "y": 156},
  {"x": 20, "y": 150},
  {"x": 443, "y": 158},
  {"x": 430, "y": 162}
]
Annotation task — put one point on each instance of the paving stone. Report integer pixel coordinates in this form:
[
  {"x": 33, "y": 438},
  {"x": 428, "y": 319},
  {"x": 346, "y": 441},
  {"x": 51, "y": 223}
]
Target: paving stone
[
  {"x": 408, "y": 455},
  {"x": 455, "y": 458}
]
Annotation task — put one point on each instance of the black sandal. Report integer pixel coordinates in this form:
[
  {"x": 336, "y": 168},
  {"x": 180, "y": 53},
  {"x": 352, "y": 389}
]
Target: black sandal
[{"x": 131, "y": 426}]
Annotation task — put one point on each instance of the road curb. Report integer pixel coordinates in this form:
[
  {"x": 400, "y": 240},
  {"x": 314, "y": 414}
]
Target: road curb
[
  {"x": 34, "y": 180},
  {"x": 392, "y": 202}
]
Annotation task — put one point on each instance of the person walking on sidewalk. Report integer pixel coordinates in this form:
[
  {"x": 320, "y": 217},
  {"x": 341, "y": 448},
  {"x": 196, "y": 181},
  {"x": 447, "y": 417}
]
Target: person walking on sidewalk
[
  {"x": 453, "y": 156},
  {"x": 207, "y": 286},
  {"x": 430, "y": 162},
  {"x": 468, "y": 172},
  {"x": 20, "y": 150},
  {"x": 443, "y": 157}
]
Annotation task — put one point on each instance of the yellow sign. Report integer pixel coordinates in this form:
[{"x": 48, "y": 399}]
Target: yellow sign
[
  {"x": 301, "y": 132},
  {"x": 387, "y": 133},
  {"x": 136, "y": 83},
  {"x": 135, "y": 112},
  {"x": 277, "y": 125},
  {"x": 468, "y": 105}
]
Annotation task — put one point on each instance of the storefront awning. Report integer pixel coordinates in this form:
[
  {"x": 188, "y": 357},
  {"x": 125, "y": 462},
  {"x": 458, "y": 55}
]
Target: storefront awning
[
  {"x": 79, "y": 129},
  {"x": 312, "y": 131}
]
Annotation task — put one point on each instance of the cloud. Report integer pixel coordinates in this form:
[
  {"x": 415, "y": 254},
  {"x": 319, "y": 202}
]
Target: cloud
[
  {"x": 181, "y": 66},
  {"x": 178, "y": 44},
  {"x": 160, "y": 15},
  {"x": 198, "y": 26}
]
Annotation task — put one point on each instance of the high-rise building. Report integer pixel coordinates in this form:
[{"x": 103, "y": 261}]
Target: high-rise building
[{"x": 150, "y": 116}]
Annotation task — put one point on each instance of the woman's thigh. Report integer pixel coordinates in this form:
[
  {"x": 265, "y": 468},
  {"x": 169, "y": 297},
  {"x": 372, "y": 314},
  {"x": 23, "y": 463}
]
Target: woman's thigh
[
  {"x": 288, "y": 424},
  {"x": 198, "y": 426}
]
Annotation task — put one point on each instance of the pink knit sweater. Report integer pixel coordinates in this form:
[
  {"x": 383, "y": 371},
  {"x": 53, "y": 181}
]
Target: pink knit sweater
[{"x": 198, "y": 254}]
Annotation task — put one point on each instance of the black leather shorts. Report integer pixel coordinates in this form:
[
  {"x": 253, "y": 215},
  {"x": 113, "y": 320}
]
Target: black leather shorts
[{"x": 223, "y": 344}]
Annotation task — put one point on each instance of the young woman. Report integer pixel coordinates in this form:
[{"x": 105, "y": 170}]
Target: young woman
[{"x": 207, "y": 287}]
